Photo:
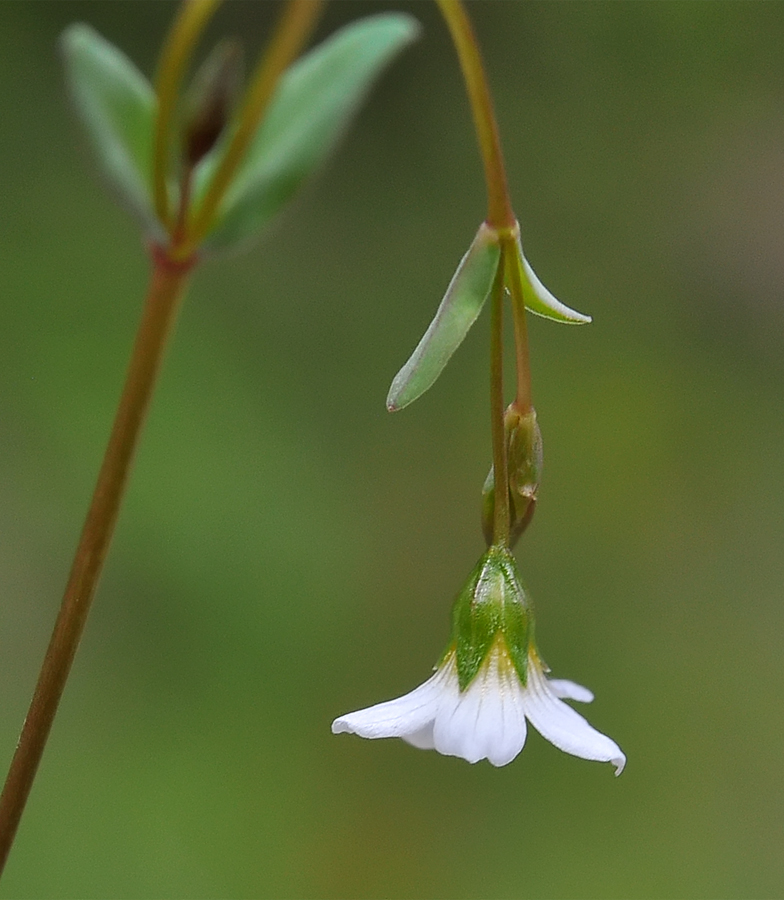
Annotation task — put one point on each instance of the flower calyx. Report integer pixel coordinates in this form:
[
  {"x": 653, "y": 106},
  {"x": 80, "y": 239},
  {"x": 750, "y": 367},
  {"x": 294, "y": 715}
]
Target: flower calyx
[
  {"x": 492, "y": 612},
  {"x": 488, "y": 683}
]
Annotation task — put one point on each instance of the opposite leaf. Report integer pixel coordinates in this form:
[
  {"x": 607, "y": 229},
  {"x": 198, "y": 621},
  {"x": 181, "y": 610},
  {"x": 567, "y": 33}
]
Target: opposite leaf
[
  {"x": 458, "y": 311},
  {"x": 539, "y": 300},
  {"x": 310, "y": 110},
  {"x": 116, "y": 104}
]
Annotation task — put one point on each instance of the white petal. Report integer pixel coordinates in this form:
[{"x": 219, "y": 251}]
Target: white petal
[
  {"x": 422, "y": 739},
  {"x": 565, "y": 728},
  {"x": 512, "y": 735},
  {"x": 455, "y": 727},
  {"x": 486, "y": 721},
  {"x": 568, "y": 690},
  {"x": 403, "y": 717}
]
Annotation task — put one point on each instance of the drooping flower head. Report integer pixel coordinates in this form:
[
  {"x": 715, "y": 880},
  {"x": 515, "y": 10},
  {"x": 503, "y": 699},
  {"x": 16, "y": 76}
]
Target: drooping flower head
[
  {"x": 491, "y": 678},
  {"x": 488, "y": 682}
]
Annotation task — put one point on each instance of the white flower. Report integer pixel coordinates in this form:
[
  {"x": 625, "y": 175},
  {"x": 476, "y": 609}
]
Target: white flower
[
  {"x": 488, "y": 683},
  {"x": 487, "y": 719}
]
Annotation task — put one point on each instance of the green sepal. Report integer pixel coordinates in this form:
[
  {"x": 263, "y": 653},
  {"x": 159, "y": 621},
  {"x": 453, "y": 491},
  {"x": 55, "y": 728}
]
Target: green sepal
[
  {"x": 310, "y": 110},
  {"x": 458, "y": 311},
  {"x": 517, "y": 622},
  {"x": 491, "y": 606},
  {"x": 476, "y": 621},
  {"x": 539, "y": 300},
  {"x": 116, "y": 105}
]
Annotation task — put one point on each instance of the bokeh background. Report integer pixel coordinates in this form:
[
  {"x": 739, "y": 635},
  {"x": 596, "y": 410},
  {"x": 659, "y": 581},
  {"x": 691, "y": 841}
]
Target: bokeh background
[{"x": 289, "y": 551}]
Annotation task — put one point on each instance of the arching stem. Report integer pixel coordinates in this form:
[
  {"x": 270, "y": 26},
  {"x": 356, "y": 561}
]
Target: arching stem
[
  {"x": 499, "y": 207},
  {"x": 167, "y": 287}
]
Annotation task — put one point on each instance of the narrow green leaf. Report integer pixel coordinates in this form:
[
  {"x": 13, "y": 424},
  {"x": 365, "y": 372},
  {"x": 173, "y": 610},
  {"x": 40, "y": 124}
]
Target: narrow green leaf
[
  {"x": 458, "y": 311},
  {"x": 311, "y": 109},
  {"x": 540, "y": 301},
  {"x": 116, "y": 104}
]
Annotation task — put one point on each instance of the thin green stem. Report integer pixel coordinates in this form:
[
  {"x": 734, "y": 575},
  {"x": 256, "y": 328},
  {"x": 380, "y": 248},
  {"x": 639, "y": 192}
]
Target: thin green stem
[
  {"x": 295, "y": 26},
  {"x": 514, "y": 280},
  {"x": 188, "y": 25},
  {"x": 167, "y": 287},
  {"x": 186, "y": 187},
  {"x": 502, "y": 514},
  {"x": 499, "y": 211}
]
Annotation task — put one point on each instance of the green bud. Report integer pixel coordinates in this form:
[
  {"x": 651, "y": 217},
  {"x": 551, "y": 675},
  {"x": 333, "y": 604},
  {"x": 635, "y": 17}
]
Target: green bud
[
  {"x": 210, "y": 100},
  {"x": 524, "y": 449},
  {"x": 491, "y": 607},
  {"x": 524, "y": 466}
]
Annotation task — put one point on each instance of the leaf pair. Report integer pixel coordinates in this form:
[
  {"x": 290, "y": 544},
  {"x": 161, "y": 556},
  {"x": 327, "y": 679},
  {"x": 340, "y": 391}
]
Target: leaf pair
[
  {"x": 462, "y": 303},
  {"x": 312, "y": 106}
]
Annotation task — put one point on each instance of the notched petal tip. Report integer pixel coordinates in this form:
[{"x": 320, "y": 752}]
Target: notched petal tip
[
  {"x": 620, "y": 764},
  {"x": 486, "y": 720},
  {"x": 564, "y": 727}
]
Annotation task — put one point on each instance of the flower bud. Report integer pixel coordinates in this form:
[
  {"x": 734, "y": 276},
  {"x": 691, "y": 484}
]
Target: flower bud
[
  {"x": 524, "y": 468},
  {"x": 210, "y": 100},
  {"x": 491, "y": 608}
]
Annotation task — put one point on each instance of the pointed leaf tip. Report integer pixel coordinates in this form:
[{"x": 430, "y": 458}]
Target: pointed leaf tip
[
  {"x": 312, "y": 107},
  {"x": 116, "y": 105},
  {"x": 541, "y": 302},
  {"x": 458, "y": 311}
]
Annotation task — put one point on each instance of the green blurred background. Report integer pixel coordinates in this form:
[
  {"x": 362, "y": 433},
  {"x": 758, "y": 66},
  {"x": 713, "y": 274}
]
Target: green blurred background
[{"x": 289, "y": 551}]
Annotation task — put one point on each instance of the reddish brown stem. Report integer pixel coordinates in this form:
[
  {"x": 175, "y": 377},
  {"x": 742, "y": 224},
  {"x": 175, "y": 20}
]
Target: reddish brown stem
[
  {"x": 166, "y": 289},
  {"x": 499, "y": 213}
]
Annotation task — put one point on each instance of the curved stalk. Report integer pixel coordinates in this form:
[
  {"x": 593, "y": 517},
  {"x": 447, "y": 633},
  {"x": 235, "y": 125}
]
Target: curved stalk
[
  {"x": 167, "y": 287},
  {"x": 499, "y": 212}
]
